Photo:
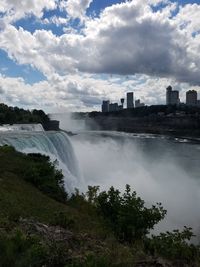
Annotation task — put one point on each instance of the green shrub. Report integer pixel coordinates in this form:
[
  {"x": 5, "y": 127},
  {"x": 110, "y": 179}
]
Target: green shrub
[
  {"x": 42, "y": 173},
  {"x": 7, "y": 149},
  {"x": 174, "y": 245},
  {"x": 126, "y": 213}
]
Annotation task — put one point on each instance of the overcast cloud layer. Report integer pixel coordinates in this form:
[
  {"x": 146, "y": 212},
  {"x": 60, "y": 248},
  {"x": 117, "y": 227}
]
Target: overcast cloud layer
[{"x": 154, "y": 46}]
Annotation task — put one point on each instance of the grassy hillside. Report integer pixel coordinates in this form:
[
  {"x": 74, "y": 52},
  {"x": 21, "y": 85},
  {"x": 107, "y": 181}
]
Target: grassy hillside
[
  {"x": 20, "y": 197},
  {"x": 21, "y": 202},
  {"x": 40, "y": 225}
]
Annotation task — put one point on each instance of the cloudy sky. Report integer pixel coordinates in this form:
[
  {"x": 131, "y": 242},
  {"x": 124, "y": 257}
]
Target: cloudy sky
[{"x": 64, "y": 55}]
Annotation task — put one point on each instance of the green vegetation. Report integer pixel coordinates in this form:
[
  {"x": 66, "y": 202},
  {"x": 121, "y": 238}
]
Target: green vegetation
[
  {"x": 174, "y": 245},
  {"x": 127, "y": 215},
  {"x": 11, "y": 115},
  {"x": 38, "y": 170},
  {"x": 20, "y": 199},
  {"x": 17, "y": 249},
  {"x": 19, "y": 196},
  {"x": 40, "y": 225}
]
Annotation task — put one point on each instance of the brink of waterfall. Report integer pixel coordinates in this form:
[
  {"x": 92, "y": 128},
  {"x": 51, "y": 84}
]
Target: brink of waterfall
[{"x": 31, "y": 138}]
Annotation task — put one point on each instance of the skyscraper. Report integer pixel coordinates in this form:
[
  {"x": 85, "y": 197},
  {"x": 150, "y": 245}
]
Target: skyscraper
[
  {"x": 172, "y": 96},
  {"x": 113, "y": 107},
  {"x": 191, "y": 98},
  {"x": 130, "y": 100},
  {"x": 105, "y": 106}
]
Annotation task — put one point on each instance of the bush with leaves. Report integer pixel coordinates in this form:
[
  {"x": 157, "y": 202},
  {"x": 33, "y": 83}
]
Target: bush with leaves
[
  {"x": 43, "y": 174},
  {"x": 174, "y": 245},
  {"x": 126, "y": 213}
]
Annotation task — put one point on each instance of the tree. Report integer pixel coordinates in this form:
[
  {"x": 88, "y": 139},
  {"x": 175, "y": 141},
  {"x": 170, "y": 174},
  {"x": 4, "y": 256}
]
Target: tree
[{"x": 126, "y": 213}]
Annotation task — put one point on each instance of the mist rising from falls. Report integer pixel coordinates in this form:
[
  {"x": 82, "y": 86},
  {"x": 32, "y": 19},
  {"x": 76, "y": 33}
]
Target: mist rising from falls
[
  {"x": 33, "y": 139},
  {"x": 159, "y": 169}
]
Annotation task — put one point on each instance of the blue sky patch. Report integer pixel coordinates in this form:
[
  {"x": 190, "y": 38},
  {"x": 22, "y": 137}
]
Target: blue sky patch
[{"x": 10, "y": 68}]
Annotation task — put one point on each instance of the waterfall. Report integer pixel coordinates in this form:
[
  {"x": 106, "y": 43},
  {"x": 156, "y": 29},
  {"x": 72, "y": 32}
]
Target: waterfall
[
  {"x": 33, "y": 139},
  {"x": 22, "y": 127}
]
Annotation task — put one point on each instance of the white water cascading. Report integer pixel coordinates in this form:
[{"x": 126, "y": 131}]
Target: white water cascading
[
  {"x": 31, "y": 138},
  {"x": 22, "y": 127}
]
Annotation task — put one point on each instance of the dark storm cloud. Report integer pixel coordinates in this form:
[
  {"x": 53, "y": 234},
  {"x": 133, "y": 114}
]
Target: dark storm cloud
[{"x": 150, "y": 47}]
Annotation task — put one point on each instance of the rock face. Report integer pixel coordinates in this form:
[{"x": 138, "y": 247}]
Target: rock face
[
  {"x": 51, "y": 125},
  {"x": 74, "y": 246},
  {"x": 48, "y": 233}
]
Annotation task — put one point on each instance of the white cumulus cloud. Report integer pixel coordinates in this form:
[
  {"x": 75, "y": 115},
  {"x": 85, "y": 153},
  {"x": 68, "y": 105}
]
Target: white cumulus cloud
[
  {"x": 76, "y": 8},
  {"x": 15, "y": 9},
  {"x": 132, "y": 38}
]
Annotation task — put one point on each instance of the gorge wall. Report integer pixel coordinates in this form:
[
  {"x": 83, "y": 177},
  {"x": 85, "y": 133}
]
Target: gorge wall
[{"x": 183, "y": 126}]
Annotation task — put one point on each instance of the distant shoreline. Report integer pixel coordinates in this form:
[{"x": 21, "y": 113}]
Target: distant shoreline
[{"x": 184, "y": 127}]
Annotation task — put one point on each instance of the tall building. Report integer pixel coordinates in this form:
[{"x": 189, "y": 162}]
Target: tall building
[
  {"x": 168, "y": 95},
  {"x": 172, "y": 96},
  {"x": 138, "y": 104},
  {"x": 130, "y": 99},
  {"x": 105, "y": 106},
  {"x": 113, "y": 107},
  {"x": 191, "y": 98}
]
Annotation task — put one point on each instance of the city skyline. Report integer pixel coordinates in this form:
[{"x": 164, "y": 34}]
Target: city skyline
[
  {"x": 172, "y": 98},
  {"x": 69, "y": 55}
]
